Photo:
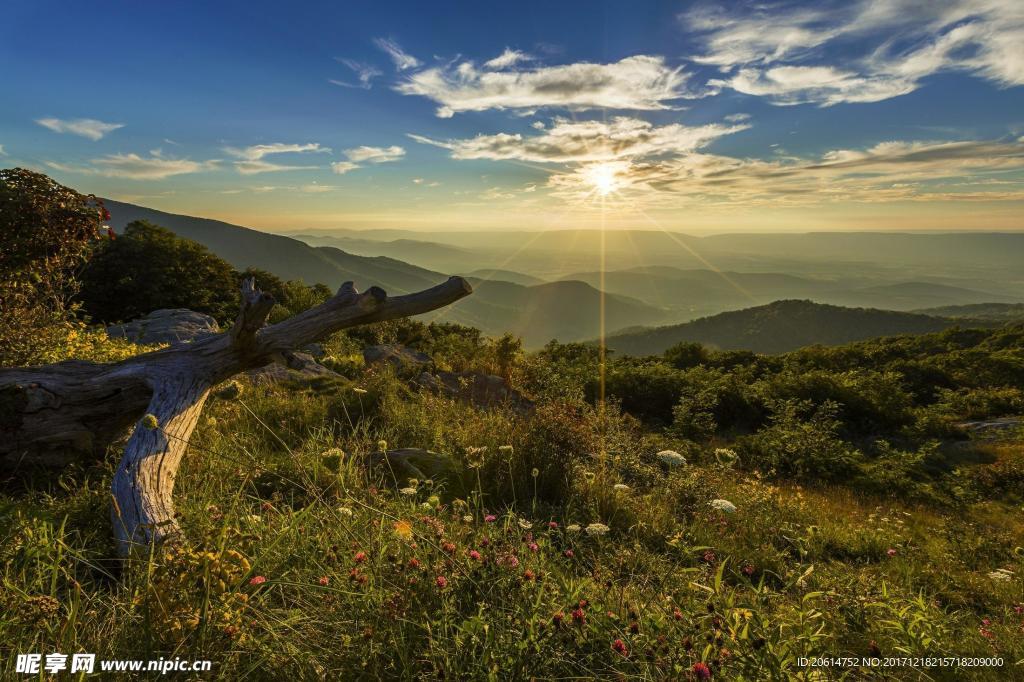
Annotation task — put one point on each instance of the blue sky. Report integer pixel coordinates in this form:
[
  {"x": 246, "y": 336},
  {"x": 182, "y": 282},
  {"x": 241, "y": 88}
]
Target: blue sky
[{"x": 891, "y": 114}]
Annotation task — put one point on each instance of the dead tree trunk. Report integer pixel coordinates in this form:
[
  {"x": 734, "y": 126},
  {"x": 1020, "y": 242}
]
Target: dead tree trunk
[{"x": 45, "y": 412}]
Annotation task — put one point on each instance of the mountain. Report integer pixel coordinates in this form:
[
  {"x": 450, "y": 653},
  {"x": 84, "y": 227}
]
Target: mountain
[
  {"x": 428, "y": 254},
  {"x": 782, "y": 326},
  {"x": 997, "y": 312},
  {"x": 568, "y": 311},
  {"x": 504, "y": 276},
  {"x": 285, "y": 257},
  {"x": 914, "y": 295}
]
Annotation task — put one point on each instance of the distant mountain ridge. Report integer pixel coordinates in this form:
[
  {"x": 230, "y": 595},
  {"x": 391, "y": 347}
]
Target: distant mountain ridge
[
  {"x": 783, "y": 326},
  {"x": 568, "y": 311}
]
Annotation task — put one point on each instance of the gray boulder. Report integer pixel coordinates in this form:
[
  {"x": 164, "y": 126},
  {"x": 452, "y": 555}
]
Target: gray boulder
[
  {"x": 168, "y": 325},
  {"x": 481, "y": 390},
  {"x": 396, "y": 355}
]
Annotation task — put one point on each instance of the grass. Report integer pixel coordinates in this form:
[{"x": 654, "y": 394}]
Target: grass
[{"x": 299, "y": 563}]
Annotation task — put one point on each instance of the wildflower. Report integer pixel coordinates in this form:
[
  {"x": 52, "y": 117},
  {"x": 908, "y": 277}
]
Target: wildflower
[
  {"x": 468, "y": 518},
  {"x": 448, "y": 547},
  {"x": 433, "y": 500},
  {"x": 569, "y": 553},
  {"x": 407, "y": 491},
  {"x": 344, "y": 511},
  {"x": 597, "y": 529},
  {"x": 535, "y": 472},
  {"x": 512, "y": 561},
  {"x": 525, "y": 525},
  {"x": 534, "y": 547},
  {"x": 474, "y": 555},
  {"x": 507, "y": 449},
  {"x": 257, "y": 580},
  {"x": 579, "y": 617},
  {"x": 558, "y": 618},
  {"x": 359, "y": 557},
  {"x": 573, "y": 528},
  {"x": 672, "y": 459},
  {"x": 529, "y": 575},
  {"x": 891, "y": 552},
  {"x": 621, "y": 487},
  {"x": 490, "y": 518},
  {"x": 403, "y": 529},
  {"x": 382, "y": 445},
  {"x": 677, "y": 614},
  {"x": 360, "y": 391},
  {"x": 748, "y": 570},
  {"x": 709, "y": 556},
  {"x": 475, "y": 457},
  {"x": 324, "y": 581},
  {"x": 726, "y": 456},
  {"x": 149, "y": 422},
  {"x": 724, "y": 506},
  {"x": 1001, "y": 575},
  {"x": 414, "y": 563},
  {"x": 425, "y": 505},
  {"x": 266, "y": 506},
  {"x": 701, "y": 671},
  {"x": 441, "y": 582},
  {"x": 553, "y": 525},
  {"x": 620, "y": 647}
]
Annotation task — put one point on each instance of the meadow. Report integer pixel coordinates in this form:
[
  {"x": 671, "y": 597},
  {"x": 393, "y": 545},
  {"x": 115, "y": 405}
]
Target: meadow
[{"x": 753, "y": 524}]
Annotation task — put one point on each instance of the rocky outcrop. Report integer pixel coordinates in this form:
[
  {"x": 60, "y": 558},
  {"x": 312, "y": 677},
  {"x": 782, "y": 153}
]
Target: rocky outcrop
[
  {"x": 481, "y": 390},
  {"x": 396, "y": 355},
  {"x": 168, "y": 325}
]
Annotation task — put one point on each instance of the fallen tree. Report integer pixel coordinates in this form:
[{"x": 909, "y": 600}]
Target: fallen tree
[{"x": 47, "y": 411}]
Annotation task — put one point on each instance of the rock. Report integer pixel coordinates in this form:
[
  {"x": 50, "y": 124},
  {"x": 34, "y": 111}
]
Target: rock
[
  {"x": 482, "y": 390},
  {"x": 167, "y": 325},
  {"x": 297, "y": 366},
  {"x": 398, "y": 356},
  {"x": 398, "y": 466},
  {"x": 316, "y": 350},
  {"x": 991, "y": 428}
]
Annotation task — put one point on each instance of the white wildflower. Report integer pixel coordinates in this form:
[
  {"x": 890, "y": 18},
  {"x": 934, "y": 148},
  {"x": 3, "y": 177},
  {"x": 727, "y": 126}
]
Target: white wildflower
[
  {"x": 621, "y": 487},
  {"x": 573, "y": 528},
  {"x": 723, "y": 506},
  {"x": 597, "y": 529},
  {"x": 1001, "y": 575},
  {"x": 525, "y": 525},
  {"x": 726, "y": 456},
  {"x": 672, "y": 459},
  {"x": 345, "y": 511},
  {"x": 468, "y": 518},
  {"x": 360, "y": 391},
  {"x": 407, "y": 491}
]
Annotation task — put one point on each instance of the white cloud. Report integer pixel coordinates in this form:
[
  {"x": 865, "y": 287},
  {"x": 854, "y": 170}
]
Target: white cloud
[
  {"x": 366, "y": 154},
  {"x": 507, "y": 59},
  {"x": 342, "y": 167},
  {"x": 400, "y": 57},
  {"x": 135, "y": 167},
  {"x": 634, "y": 83},
  {"x": 568, "y": 141},
  {"x": 365, "y": 73},
  {"x": 251, "y": 158},
  {"x": 2, "y": 152},
  {"x": 863, "y": 51},
  {"x": 86, "y": 127}
]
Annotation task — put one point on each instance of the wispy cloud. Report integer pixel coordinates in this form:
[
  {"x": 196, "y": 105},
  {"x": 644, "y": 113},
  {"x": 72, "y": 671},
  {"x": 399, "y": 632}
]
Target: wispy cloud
[
  {"x": 366, "y": 154},
  {"x": 2, "y": 152},
  {"x": 885, "y": 172},
  {"x": 402, "y": 60},
  {"x": 569, "y": 141},
  {"x": 135, "y": 167},
  {"x": 342, "y": 167},
  {"x": 365, "y": 73},
  {"x": 634, "y": 83},
  {"x": 85, "y": 127},
  {"x": 507, "y": 59},
  {"x": 251, "y": 159},
  {"x": 863, "y": 51}
]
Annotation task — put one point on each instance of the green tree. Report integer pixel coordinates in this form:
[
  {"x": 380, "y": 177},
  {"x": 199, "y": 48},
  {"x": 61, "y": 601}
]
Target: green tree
[
  {"x": 149, "y": 268},
  {"x": 45, "y": 234}
]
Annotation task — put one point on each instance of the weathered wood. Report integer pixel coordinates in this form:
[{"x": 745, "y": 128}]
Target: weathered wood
[{"x": 51, "y": 411}]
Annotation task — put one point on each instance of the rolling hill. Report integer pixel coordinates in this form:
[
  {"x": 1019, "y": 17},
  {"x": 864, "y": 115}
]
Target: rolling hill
[
  {"x": 568, "y": 311},
  {"x": 782, "y": 326}
]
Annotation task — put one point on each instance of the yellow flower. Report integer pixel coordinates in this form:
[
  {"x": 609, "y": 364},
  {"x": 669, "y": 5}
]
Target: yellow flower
[{"x": 403, "y": 529}]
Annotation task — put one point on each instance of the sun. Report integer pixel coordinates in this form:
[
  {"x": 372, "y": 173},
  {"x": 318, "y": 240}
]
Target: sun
[{"x": 605, "y": 178}]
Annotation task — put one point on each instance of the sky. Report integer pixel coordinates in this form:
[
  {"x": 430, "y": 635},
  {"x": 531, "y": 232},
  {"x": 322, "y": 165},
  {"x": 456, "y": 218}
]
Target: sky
[{"x": 693, "y": 117}]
